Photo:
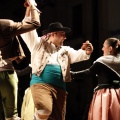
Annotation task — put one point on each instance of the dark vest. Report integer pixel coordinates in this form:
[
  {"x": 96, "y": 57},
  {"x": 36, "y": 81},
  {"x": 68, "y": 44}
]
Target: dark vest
[
  {"x": 12, "y": 50},
  {"x": 10, "y": 46}
]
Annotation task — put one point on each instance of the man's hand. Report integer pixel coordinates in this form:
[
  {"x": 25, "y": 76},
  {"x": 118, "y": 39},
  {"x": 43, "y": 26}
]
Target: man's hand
[
  {"x": 87, "y": 46},
  {"x": 29, "y": 3},
  {"x": 2, "y": 62}
]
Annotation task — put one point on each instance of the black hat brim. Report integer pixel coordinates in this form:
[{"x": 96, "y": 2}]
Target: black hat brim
[{"x": 64, "y": 29}]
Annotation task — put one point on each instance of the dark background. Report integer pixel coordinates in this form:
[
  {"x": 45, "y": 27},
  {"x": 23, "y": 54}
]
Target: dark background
[{"x": 93, "y": 20}]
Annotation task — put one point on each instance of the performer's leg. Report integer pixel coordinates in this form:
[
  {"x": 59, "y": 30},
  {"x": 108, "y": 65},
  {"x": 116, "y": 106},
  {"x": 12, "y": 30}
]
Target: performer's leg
[
  {"x": 9, "y": 94},
  {"x": 43, "y": 101}
]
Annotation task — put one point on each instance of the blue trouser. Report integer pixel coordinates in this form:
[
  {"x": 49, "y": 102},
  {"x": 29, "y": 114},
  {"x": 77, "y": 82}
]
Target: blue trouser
[{"x": 8, "y": 92}]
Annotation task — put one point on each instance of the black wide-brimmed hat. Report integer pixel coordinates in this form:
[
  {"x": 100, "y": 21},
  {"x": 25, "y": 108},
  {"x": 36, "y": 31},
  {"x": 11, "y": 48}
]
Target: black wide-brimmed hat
[{"x": 53, "y": 27}]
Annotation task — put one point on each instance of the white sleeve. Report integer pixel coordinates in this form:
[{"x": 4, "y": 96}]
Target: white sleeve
[
  {"x": 31, "y": 39},
  {"x": 77, "y": 55}
]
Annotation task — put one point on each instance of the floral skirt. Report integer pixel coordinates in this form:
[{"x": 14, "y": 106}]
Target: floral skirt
[{"x": 105, "y": 105}]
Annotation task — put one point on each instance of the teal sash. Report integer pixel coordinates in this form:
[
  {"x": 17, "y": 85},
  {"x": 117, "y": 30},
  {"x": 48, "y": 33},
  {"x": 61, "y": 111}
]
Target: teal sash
[{"x": 51, "y": 75}]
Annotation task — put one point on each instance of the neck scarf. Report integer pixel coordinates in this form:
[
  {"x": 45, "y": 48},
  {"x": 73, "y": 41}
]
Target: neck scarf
[{"x": 112, "y": 62}]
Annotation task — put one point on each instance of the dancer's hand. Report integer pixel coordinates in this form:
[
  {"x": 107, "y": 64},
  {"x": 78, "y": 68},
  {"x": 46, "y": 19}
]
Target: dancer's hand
[
  {"x": 87, "y": 46},
  {"x": 2, "y": 62},
  {"x": 29, "y": 3}
]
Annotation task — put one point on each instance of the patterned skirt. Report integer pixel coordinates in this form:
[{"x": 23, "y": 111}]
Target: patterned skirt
[{"x": 105, "y": 105}]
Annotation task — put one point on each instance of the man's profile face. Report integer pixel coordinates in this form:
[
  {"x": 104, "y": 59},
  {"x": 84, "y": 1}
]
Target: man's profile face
[{"x": 58, "y": 38}]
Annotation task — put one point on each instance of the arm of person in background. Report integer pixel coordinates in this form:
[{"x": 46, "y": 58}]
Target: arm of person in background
[
  {"x": 31, "y": 20},
  {"x": 9, "y": 29},
  {"x": 92, "y": 71},
  {"x": 17, "y": 28},
  {"x": 32, "y": 12},
  {"x": 24, "y": 71},
  {"x": 30, "y": 37}
]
